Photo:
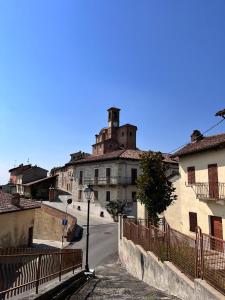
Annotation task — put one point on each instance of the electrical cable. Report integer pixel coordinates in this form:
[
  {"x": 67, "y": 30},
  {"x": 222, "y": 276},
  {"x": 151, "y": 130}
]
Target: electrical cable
[{"x": 210, "y": 128}]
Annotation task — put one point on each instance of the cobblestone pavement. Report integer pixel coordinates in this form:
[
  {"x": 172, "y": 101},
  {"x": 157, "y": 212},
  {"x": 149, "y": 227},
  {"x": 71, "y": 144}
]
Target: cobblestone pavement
[{"x": 112, "y": 281}]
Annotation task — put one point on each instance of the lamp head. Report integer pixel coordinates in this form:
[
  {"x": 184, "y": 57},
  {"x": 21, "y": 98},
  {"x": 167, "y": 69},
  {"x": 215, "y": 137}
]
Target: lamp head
[
  {"x": 69, "y": 201},
  {"x": 88, "y": 192}
]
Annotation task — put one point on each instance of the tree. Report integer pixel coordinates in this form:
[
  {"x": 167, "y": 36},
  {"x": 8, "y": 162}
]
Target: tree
[
  {"x": 115, "y": 208},
  {"x": 154, "y": 190}
]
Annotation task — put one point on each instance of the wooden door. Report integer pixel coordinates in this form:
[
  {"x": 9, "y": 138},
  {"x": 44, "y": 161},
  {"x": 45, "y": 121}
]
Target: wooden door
[
  {"x": 213, "y": 181},
  {"x": 217, "y": 232}
]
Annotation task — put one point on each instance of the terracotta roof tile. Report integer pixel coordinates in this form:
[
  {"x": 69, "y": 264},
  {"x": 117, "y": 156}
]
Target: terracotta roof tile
[
  {"x": 206, "y": 143},
  {"x": 6, "y": 205},
  {"x": 120, "y": 154}
]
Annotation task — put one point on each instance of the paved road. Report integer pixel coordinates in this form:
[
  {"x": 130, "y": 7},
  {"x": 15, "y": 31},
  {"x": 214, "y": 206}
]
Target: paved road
[
  {"x": 112, "y": 281},
  {"x": 103, "y": 241}
]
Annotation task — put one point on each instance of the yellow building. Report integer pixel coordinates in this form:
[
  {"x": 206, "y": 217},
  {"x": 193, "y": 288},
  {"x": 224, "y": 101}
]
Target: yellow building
[
  {"x": 200, "y": 186},
  {"x": 16, "y": 220}
]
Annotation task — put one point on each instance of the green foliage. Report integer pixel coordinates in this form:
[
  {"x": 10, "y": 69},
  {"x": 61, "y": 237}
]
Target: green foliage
[
  {"x": 154, "y": 190},
  {"x": 115, "y": 208}
]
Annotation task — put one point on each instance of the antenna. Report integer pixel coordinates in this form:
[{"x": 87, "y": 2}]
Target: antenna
[
  {"x": 221, "y": 113},
  {"x": 28, "y": 161}
]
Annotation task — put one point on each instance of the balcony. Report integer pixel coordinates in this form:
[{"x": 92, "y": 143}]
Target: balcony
[
  {"x": 209, "y": 191},
  {"x": 104, "y": 181}
]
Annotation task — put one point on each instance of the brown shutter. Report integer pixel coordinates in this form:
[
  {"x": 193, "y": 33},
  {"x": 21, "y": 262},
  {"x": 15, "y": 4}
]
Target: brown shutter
[
  {"x": 191, "y": 175},
  {"x": 193, "y": 221},
  {"x": 213, "y": 181}
]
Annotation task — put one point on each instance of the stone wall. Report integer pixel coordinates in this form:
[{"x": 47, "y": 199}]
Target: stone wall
[{"x": 48, "y": 223}]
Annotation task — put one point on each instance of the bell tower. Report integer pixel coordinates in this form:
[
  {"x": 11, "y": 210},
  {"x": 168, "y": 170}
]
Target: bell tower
[{"x": 113, "y": 117}]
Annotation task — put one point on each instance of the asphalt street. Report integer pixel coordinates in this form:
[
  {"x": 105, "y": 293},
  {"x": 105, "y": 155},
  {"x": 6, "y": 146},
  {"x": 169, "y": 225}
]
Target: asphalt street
[{"x": 102, "y": 243}]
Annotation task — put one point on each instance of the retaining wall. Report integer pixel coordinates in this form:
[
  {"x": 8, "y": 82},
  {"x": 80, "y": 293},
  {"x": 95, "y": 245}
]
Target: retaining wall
[
  {"x": 48, "y": 223},
  {"x": 163, "y": 275}
]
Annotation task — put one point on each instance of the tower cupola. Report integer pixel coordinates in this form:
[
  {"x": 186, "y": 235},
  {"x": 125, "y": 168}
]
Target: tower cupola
[{"x": 113, "y": 117}]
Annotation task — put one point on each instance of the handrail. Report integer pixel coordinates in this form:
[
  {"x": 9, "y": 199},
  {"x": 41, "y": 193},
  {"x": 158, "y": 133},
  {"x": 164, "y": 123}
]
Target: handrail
[{"x": 21, "y": 272}]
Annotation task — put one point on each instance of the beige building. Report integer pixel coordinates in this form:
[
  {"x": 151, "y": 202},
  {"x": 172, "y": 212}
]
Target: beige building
[
  {"x": 16, "y": 221},
  {"x": 112, "y": 169},
  {"x": 200, "y": 186}
]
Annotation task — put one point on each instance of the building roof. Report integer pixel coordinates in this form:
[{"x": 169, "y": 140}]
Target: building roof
[
  {"x": 20, "y": 169},
  {"x": 113, "y": 108},
  {"x": 40, "y": 180},
  {"x": 120, "y": 154},
  {"x": 6, "y": 205},
  {"x": 128, "y": 125},
  {"x": 203, "y": 144}
]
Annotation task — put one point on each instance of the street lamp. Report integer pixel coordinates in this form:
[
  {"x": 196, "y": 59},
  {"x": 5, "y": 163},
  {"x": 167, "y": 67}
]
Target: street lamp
[
  {"x": 88, "y": 193},
  {"x": 65, "y": 220}
]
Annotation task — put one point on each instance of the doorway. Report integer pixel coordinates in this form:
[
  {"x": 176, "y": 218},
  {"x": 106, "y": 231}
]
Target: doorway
[
  {"x": 217, "y": 232},
  {"x": 30, "y": 236}
]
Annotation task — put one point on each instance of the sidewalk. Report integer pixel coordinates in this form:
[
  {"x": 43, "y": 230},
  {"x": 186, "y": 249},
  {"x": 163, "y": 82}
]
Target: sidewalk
[
  {"x": 80, "y": 215},
  {"x": 112, "y": 281}
]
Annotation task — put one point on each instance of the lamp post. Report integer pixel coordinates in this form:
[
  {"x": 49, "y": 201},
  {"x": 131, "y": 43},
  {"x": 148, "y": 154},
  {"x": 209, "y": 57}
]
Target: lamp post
[
  {"x": 88, "y": 193},
  {"x": 65, "y": 221}
]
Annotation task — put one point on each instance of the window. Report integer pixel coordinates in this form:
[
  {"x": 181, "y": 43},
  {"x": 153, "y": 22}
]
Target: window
[
  {"x": 133, "y": 176},
  {"x": 96, "y": 195},
  {"x": 191, "y": 175},
  {"x": 96, "y": 177},
  {"x": 107, "y": 196},
  {"x": 108, "y": 175},
  {"x": 79, "y": 194},
  {"x": 193, "y": 221},
  {"x": 122, "y": 133},
  {"x": 96, "y": 173},
  {"x": 81, "y": 177},
  {"x": 130, "y": 133},
  {"x": 134, "y": 196}
]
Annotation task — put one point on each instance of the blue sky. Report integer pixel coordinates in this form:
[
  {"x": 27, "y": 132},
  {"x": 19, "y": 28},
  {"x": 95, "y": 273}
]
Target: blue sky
[{"x": 63, "y": 63}]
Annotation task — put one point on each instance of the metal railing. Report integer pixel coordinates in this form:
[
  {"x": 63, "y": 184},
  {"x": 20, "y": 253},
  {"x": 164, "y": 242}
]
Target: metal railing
[
  {"x": 110, "y": 180},
  {"x": 206, "y": 190},
  {"x": 20, "y": 272},
  {"x": 200, "y": 257}
]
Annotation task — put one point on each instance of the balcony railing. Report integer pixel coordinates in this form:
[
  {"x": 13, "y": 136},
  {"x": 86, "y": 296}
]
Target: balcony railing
[
  {"x": 209, "y": 191},
  {"x": 111, "y": 180}
]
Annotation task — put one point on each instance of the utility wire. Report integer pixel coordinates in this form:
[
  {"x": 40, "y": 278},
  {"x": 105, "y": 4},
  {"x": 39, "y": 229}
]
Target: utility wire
[{"x": 210, "y": 128}]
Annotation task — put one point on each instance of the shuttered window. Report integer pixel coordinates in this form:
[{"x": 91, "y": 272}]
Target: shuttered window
[
  {"x": 96, "y": 195},
  {"x": 193, "y": 221},
  {"x": 107, "y": 196},
  {"x": 79, "y": 194},
  {"x": 81, "y": 177},
  {"x": 191, "y": 175}
]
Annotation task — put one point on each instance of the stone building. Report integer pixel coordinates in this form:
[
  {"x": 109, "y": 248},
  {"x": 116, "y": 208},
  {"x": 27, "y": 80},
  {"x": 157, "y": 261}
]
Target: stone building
[
  {"x": 114, "y": 137},
  {"x": 112, "y": 169}
]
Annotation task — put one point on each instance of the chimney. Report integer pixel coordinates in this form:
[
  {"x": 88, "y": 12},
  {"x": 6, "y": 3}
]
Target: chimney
[
  {"x": 196, "y": 136},
  {"x": 15, "y": 200}
]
